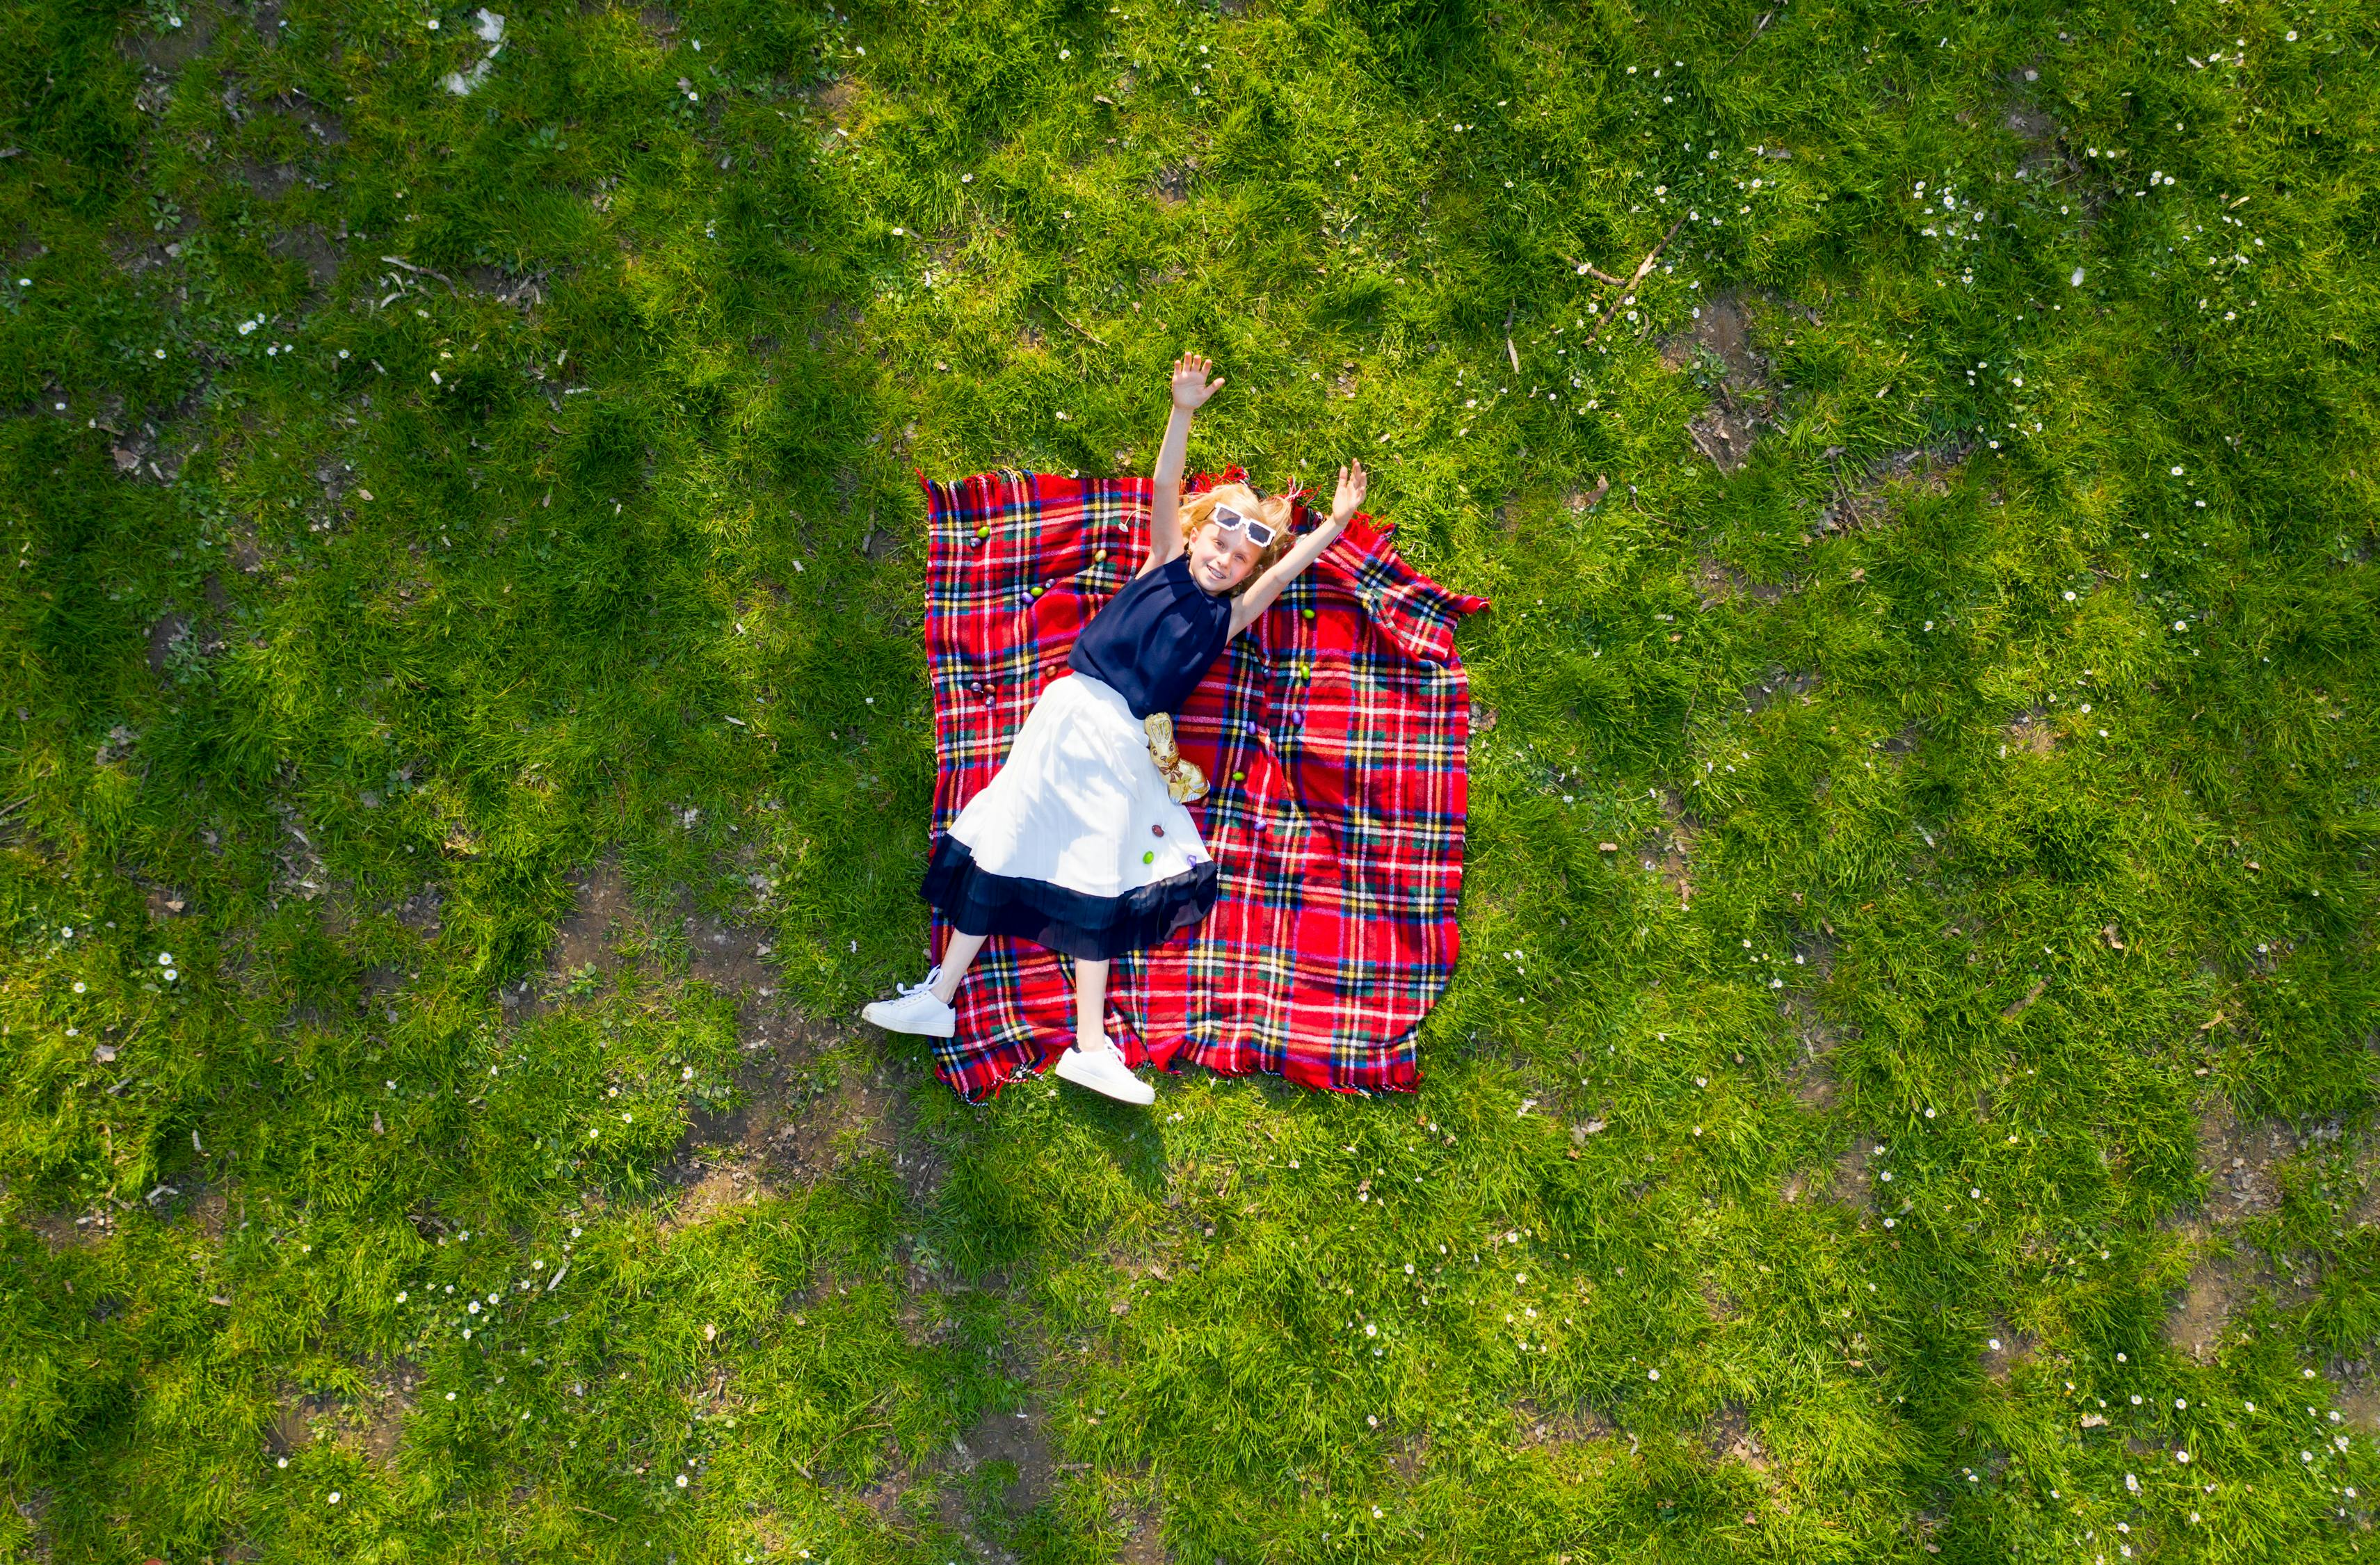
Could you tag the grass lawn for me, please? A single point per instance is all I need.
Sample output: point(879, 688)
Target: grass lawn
point(1909, 1090)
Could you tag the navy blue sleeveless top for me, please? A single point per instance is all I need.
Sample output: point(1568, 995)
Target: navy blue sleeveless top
point(1154, 641)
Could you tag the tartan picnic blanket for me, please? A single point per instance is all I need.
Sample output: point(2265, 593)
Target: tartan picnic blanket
point(1334, 731)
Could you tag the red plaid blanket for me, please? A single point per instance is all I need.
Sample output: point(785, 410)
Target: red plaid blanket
point(1334, 731)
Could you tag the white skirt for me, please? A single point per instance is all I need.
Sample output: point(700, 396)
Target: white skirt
point(1075, 843)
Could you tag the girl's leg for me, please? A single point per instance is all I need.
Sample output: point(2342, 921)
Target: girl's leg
point(957, 957)
point(1091, 1006)
point(1095, 1061)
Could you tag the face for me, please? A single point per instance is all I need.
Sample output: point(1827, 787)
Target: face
point(1219, 560)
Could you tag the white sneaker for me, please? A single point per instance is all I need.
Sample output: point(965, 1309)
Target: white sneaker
point(916, 1011)
point(1105, 1072)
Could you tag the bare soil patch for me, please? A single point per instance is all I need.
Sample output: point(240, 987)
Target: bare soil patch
point(2029, 126)
point(730, 958)
point(336, 476)
point(142, 454)
point(2237, 1158)
point(2004, 1348)
point(2032, 734)
point(2359, 1393)
point(34, 1507)
point(422, 911)
point(2032, 124)
point(1171, 187)
point(601, 915)
point(1722, 332)
point(2218, 1288)
point(1018, 1440)
point(63, 1231)
point(164, 637)
point(713, 1188)
point(1717, 349)
point(1728, 1435)
point(1669, 853)
point(301, 873)
point(309, 246)
point(1878, 493)
point(811, 1095)
point(1023, 1477)
point(801, 1118)
point(1853, 1186)
point(1144, 1543)
point(1587, 497)
point(1724, 434)
point(886, 1496)
point(172, 48)
point(1757, 698)
point(1542, 1429)
point(1814, 1079)
point(371, 1423)
point(838, 100)
point(271, 181)
point(1717, 582)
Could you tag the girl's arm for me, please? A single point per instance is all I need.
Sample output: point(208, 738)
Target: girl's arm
point(1191, 390)
point(1250, 605)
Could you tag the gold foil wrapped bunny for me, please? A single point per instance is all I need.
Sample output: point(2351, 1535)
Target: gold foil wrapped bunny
point(1183, 781)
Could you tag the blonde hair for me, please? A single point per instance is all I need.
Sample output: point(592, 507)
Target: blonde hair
point(1275, 511)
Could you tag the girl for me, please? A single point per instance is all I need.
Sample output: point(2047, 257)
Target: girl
point(1078, 843)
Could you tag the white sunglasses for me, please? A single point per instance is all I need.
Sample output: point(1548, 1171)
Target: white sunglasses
point(1259, 533)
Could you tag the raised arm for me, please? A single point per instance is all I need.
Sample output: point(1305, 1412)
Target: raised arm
point(1250, 605)
point(1191, 390)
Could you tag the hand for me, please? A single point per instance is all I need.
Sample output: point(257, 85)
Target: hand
point(1191, 387)
point(1353, 482)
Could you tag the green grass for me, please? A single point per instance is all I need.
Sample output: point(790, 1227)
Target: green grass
point(1986, 760)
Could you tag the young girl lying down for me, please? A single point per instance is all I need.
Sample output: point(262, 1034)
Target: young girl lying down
point(1080, 843)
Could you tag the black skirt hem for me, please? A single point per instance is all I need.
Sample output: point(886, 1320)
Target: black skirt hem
point(1092, 928)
